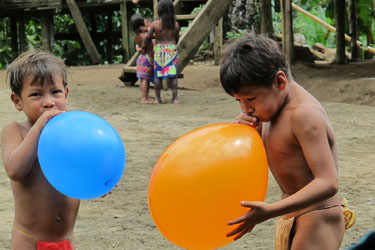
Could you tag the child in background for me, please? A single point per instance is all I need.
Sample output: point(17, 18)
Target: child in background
point(300, 145)
point(165, 30)
point(145, 60)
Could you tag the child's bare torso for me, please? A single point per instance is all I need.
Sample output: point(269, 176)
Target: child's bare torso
point(285, 156)
point(165, 36)
point(41, 212)
point(139, 38)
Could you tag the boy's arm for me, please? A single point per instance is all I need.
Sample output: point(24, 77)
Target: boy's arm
point(149, 36)
point(309, 127)
point(19, 153)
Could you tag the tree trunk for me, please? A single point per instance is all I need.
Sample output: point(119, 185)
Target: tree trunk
point(266, 26)
point(339, 8)
point(241, 16)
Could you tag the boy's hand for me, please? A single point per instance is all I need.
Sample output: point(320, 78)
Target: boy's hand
point(258, 213)
point(45, 117)
point(246, 119)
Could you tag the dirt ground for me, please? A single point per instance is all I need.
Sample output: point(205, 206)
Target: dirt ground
point(122, 220)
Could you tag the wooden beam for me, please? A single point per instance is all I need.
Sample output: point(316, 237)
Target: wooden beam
point(124, 30)
point(83, 32)
point(185, 16)
point(206, 20)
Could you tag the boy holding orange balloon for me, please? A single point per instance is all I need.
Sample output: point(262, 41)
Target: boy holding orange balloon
point(44, 218)
point(300, 145)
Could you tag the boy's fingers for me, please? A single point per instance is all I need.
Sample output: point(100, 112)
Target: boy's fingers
point(247, 204)
point(245, 231)
point(235, 231)
point(236, 221)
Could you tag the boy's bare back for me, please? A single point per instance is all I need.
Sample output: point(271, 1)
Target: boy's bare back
point(139, 38)
point(166, 36)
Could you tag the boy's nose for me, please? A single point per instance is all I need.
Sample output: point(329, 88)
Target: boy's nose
point(48, 103)
point(246, 108)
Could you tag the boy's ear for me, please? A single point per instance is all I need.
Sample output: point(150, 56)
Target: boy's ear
point(66, 94)
point(17, 101)
point(281, 80)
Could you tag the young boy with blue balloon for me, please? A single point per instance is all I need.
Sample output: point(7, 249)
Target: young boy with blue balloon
point(300, 145)
point(44, 218)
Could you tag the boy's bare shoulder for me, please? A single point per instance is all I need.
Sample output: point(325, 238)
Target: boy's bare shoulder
point(11, 128)
point(308, 117)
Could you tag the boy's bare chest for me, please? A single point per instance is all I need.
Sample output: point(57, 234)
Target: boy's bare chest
point(285, 156)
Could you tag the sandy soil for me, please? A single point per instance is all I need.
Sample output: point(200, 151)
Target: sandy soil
point(122, 220)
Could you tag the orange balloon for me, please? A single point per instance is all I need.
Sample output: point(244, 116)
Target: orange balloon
point(197, 184)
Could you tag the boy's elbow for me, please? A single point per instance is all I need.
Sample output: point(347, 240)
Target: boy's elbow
point(13, 174)
point(332, 188)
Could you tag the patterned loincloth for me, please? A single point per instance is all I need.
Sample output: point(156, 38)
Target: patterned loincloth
point(145, 67)
point(165, 60)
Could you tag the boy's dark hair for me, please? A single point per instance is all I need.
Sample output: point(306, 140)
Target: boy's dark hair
point(137, 20)
point(42, 65)
point(251, 60)
point(166, 14)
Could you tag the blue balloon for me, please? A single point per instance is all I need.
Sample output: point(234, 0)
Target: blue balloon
point(81, 155)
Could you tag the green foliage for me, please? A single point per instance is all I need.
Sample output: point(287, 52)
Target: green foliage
point(232, 35)
point(314, 32)
point(146, 12)
point(5, 44)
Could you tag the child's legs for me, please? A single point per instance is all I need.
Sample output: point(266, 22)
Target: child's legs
point(144, 86)
point(319, 229)
point(174, 86)
point(158, 82)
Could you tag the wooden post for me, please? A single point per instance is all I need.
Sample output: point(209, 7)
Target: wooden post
point(356, 52)
point(339, 9)
point(47, 32)
point(287, 24)
point(266, 26)
point(155, 4)
point(14, 37)
point(109, 35)
point(124, 30)
point(84, 32)
point(94, 29)
point(22, 33)
point(218, 42)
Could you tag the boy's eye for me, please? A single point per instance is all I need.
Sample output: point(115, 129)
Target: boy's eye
point(251, 99)
point(58, 91)
point(35, 94)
